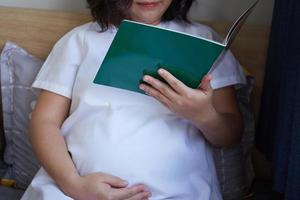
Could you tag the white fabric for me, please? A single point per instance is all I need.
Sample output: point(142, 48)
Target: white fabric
point(124, 133)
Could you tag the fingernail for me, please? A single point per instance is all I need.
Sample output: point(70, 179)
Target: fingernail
point(145, 78)
point(160, 71)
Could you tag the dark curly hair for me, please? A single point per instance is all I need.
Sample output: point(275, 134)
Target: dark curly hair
point(112, 12)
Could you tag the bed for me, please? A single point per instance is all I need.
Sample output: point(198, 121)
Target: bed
point(38, 30)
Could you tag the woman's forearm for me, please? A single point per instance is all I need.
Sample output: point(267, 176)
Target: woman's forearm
point(221, 129)
point(48, 143)
point(51, 150)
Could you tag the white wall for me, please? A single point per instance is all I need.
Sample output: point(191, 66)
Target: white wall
point(204, 9)
point(229, 10)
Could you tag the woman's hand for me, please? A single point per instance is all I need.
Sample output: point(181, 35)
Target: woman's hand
point(180, 99)
point(215, 113)
point(100, 186)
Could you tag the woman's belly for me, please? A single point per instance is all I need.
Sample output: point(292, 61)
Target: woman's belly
point(160, 150)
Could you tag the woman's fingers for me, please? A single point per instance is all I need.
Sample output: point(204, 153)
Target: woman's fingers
point(157, 94)
point(137, 192)
point(176, 84)
point(141, 196)
point(113, 181)
point(158, 89)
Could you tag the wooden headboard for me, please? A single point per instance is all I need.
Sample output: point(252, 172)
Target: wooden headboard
point(38, 30)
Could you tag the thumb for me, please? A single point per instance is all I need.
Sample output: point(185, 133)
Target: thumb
point(114, 181)
point(205, 84)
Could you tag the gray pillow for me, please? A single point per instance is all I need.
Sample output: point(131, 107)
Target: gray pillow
point(18, 70)
point(234, 166)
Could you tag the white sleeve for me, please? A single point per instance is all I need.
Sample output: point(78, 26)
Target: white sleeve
point(60, 69)
point(227, 70)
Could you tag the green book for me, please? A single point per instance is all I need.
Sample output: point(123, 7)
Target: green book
point(139, 49)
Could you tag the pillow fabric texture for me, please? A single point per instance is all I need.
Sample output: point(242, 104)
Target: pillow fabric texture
point(2, 142)
point(234, 166)
point(18, 70)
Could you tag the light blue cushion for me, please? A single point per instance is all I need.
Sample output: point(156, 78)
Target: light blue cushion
point(18, 70)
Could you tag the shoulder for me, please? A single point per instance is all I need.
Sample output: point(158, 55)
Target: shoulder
point(79, 38)
point(86, 34)
point(76, 33)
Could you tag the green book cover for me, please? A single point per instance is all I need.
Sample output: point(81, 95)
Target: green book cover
point(139, 49)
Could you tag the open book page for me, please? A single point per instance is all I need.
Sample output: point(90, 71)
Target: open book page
point(237, 25)
point(233, 32)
